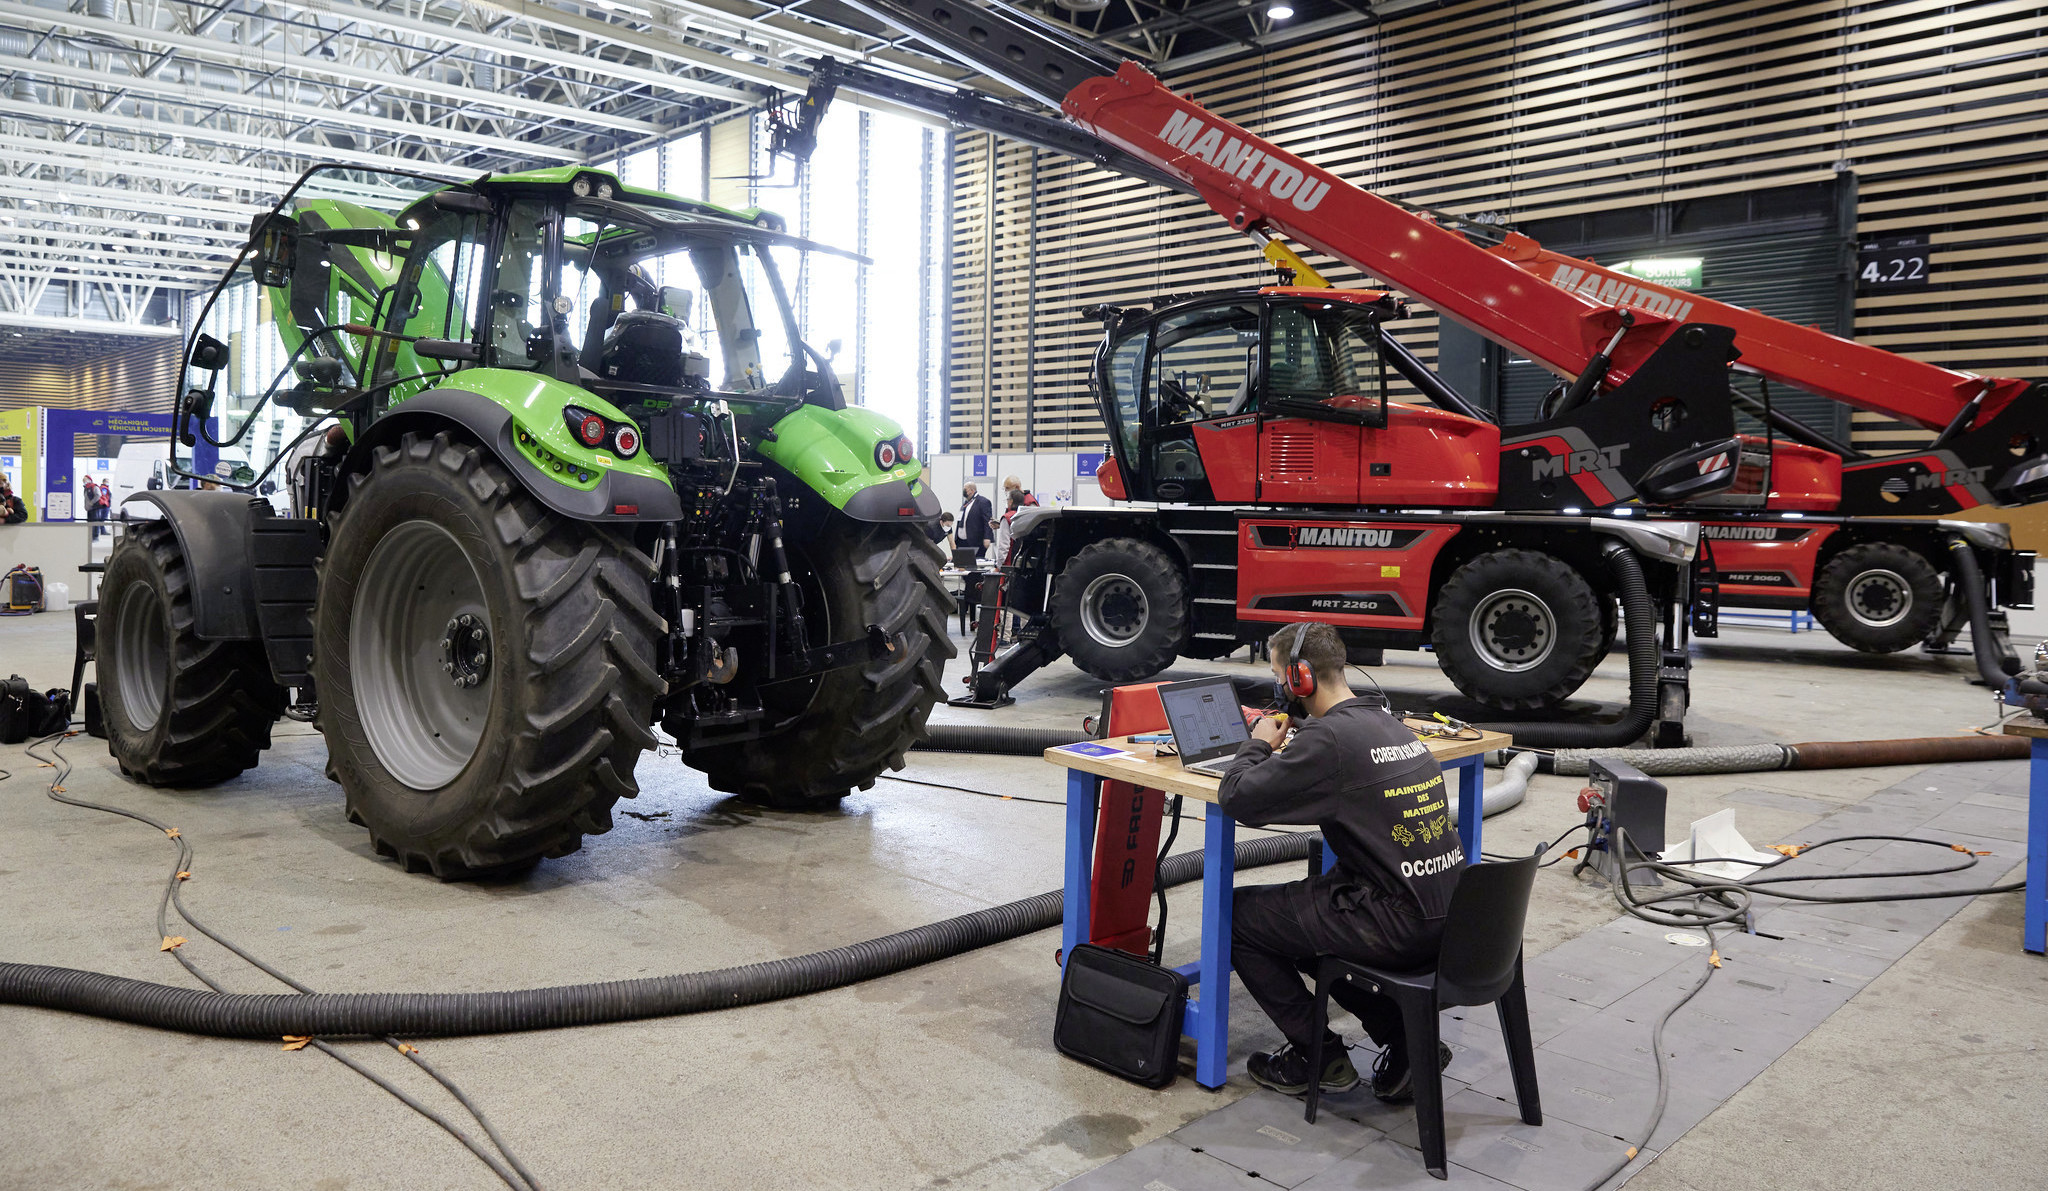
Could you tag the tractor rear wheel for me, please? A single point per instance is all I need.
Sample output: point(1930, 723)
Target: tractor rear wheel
point(1879, 597)
point(178, 711)
point(1121, 609)
point(485, 666)
point(1518, 629)
point(847, 726)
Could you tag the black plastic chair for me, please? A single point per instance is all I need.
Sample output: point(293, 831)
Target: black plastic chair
point(1480, 963)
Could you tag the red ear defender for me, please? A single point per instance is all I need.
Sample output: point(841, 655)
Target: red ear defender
point(1301, 680)
point(1301, 677)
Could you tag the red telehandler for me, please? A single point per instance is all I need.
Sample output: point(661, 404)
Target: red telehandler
point(1250, 417)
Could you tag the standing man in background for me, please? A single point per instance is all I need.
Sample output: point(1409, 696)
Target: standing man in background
point(974, 529)
point(1013, 490)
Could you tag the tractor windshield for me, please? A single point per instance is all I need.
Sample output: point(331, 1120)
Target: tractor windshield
point(649, 296)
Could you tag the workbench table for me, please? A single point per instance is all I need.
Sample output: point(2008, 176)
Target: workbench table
point(1208, 1017)
point(2034, 935)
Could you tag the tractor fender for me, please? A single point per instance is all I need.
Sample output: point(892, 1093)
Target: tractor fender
point(490, 425)
point(213, 534)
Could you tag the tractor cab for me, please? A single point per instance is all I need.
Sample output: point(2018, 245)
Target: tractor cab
point(1278, 396)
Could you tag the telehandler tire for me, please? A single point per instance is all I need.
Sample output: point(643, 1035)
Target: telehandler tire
point(852, 723)
point(178, 711)
point(1518, 630)
point(1879, 597)
point(485, 666)
point(1120, 608)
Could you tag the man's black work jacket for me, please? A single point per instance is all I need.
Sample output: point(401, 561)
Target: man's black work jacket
point(1380, 799)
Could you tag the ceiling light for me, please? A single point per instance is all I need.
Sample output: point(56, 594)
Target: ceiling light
point(1280, 12)
point(743, 56)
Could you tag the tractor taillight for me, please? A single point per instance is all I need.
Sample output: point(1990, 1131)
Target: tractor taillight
point(625, 442)
point(589, 428)
point(885, 455)
point(904, 451)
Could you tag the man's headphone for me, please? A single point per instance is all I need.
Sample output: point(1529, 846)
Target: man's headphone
point(1298, 676)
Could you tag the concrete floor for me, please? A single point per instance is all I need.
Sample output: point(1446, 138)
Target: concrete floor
point(939, 1077)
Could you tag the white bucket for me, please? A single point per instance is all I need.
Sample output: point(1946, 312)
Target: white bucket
point(57, 597)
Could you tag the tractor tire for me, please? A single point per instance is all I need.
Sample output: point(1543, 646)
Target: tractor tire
point(847, 726)
point(1879, 597)
point(1121, 609)
point(485, 666)
point(177, 711)
point(1518, 630)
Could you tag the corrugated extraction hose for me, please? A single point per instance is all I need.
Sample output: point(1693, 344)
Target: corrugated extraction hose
point(1993, 666)
point(1823, 754)
point(231, 1015)
point(983, 738)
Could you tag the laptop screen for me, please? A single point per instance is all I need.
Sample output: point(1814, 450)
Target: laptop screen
point(1205, 718)
point(966, 557)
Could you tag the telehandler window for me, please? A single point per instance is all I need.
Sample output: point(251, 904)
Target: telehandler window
point(1204, 363)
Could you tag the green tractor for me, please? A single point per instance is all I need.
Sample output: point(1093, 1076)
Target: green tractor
point(567, 473)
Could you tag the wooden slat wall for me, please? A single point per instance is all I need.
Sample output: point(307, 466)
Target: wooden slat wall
point(139, 377)
point(1526, 111)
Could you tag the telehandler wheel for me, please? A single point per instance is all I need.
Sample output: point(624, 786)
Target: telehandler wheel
point(851, 723)
point(1121, 609)
point(1879, 597)
point(178, 711)
point(485, 667)
point(1518, 630)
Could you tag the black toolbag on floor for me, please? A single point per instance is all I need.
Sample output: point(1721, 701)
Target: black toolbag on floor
point(27, 714)
point(1122, 1013)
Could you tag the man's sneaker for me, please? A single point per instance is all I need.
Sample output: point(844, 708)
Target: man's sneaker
point(1286, 1070)
point(1392, 1079)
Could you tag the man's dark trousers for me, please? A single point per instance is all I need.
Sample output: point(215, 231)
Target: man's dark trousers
point(1277, 935)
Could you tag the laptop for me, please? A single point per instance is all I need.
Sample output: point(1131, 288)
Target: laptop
point(966, 558)
point(1206, 721)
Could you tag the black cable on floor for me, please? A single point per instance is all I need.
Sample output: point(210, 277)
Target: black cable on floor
point(1704, 904)
point(510, 1171)
point(1551, 846)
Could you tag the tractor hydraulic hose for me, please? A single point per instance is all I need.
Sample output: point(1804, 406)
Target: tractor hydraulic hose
point(1990, 664)
point(980, 738)
point(236, 1015)
point(1823, 754)
point(1639, 618)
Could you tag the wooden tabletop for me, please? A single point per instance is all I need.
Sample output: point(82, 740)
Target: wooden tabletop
point(2027, 727)
point(1143, 768)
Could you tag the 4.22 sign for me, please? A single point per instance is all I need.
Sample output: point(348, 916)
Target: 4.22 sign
point(1892, 264)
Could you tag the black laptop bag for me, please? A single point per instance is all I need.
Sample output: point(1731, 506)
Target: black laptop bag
point(1122, 1013)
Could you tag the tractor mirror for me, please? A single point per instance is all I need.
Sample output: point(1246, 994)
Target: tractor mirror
point(209, 354)
point(274, 244)
point(464, 202)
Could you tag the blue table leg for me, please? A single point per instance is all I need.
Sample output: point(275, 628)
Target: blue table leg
point(1329, 857)
point(1471, 802)
point(1210, 1014)
point(2035, 938)
point(1083, 791)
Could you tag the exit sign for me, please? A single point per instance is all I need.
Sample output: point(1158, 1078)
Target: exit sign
point(1672, 272)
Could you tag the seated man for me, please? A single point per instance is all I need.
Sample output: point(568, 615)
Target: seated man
point(1355, 771)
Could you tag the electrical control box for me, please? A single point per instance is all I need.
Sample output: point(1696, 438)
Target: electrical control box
point(1618, 795)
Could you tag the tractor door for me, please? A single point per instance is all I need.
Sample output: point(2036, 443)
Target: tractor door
point(1322, 393)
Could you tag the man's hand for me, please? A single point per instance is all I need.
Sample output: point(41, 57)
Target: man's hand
point(1270, 731)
